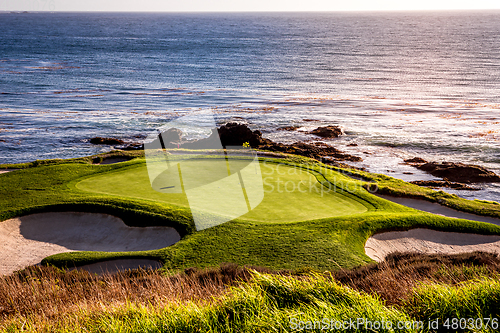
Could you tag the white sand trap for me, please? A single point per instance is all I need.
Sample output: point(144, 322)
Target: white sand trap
point(7, 170)
point(438, 209)
point(428, 241)
point(27, 240)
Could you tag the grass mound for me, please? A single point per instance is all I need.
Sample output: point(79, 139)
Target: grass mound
point(290, 229)
point(232, 298)
point(468, 302)
point(265, 303)
point(395, 278)
point(399, 188)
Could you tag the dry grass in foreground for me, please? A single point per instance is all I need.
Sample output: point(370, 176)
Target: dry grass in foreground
point(49, 293)
point(394, 278)
point(45, 294)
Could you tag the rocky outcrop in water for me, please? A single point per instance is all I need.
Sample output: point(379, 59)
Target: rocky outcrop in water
point(106, 141)
point(288, 128)
point(316, 151)
point(459, 172)
point(327, 132)
point(444, 183)
point(230, 134)
point(455, 172)
point(234, 134)
point(415, 160)
point(172, 137)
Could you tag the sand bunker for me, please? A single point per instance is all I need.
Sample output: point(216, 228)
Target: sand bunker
point(438, 209)
point(7, 170)
point(27, 240)
point(428, 241)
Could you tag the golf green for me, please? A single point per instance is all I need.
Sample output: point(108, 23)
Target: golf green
point(290, 193)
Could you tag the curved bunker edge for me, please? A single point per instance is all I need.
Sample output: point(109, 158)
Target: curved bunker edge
point(28, 239)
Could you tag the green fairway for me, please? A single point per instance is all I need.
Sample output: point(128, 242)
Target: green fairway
point(310, 214)
point(291, 193)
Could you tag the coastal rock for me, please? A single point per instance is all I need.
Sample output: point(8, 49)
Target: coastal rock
point(106, 141)
point(134, 146)
point(459, 172)
point(415, 160)
point(234, 134)
point(327, 132)
point(172, 137)
point(288, 128)
point(312, 151)
point(230, 134)
point(444, 183)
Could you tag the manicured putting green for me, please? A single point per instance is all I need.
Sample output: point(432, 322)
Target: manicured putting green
point(291, 194)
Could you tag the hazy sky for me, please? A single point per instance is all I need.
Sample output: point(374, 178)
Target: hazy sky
point(238, 5)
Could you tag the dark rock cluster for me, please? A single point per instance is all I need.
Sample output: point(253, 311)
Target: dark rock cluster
point(455, 172)
point(288, 128)
point(234, 134)
point(444, 183)
point(106, 141)
point(327, 132)
point(310, 150)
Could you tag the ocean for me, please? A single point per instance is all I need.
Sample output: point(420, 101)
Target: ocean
point(400, 84)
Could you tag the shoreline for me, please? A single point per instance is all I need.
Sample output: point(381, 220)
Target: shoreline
point(118, 156)
point(352, 148)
